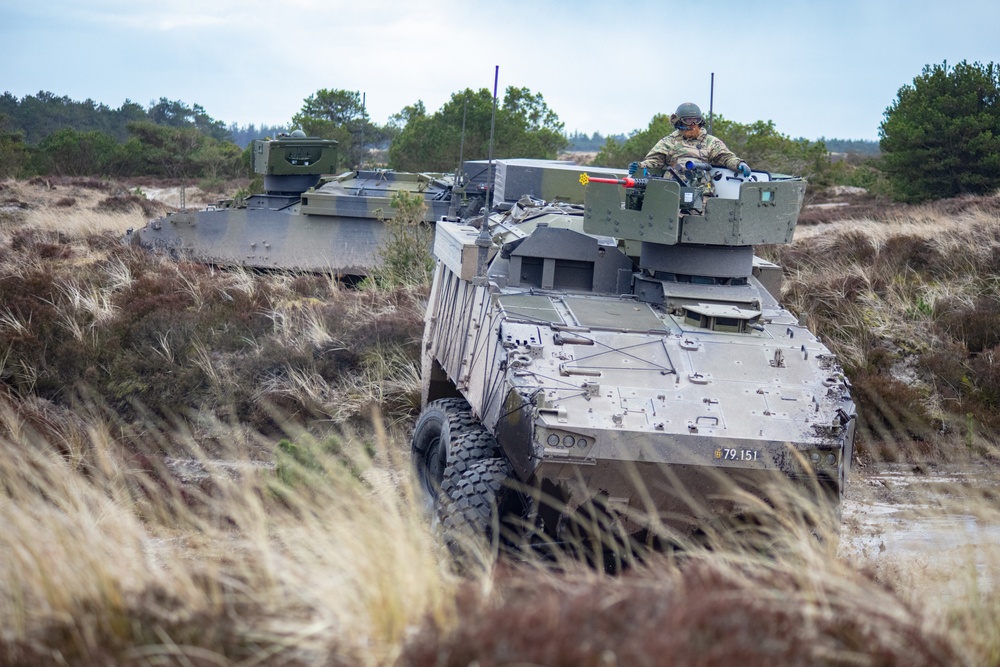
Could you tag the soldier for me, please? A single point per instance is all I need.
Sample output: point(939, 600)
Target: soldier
point(690, 141)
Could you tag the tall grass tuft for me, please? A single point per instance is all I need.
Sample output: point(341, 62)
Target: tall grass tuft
point(122, 557)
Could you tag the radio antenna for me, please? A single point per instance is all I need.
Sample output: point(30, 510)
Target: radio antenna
point(493, 124)
point(361, 165)
point(711, 99)
point(461, 144)
point(460, 170)
point(483, 241)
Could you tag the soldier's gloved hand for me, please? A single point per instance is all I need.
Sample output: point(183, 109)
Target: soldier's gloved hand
point(744, 169)
point(632, 168)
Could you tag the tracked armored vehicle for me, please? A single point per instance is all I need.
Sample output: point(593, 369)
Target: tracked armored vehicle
point(304, 220)
point(625, 364)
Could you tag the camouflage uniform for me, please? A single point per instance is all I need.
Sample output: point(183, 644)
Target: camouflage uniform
point(675, 148)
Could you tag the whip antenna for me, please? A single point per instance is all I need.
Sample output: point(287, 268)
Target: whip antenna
point(483, 241)
point(362, 162)
point(460, 170)
point(461, 144)
point(711, 99)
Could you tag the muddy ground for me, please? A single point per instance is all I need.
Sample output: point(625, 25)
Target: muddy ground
point(936, 529)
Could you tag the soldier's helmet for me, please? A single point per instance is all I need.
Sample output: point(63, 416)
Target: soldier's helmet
point(687, 114)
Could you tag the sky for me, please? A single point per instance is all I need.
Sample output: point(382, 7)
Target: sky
point(816, 68)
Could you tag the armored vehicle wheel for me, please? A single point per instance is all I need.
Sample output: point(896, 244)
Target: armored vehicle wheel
point(472, 445)
point(442, 423)
point(479, 503)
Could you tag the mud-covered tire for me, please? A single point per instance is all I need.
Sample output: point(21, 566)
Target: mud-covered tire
point(441, 424)
point(477, 504)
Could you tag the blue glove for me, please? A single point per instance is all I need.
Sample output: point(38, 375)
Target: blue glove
point(744, 169)
point(632, 168)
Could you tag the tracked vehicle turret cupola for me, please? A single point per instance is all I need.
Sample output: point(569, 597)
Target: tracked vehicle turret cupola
point(291, 164)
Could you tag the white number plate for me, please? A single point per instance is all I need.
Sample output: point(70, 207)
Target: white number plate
point(738, 454)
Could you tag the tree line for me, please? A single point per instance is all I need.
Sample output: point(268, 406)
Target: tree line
point(939, 138)
point(45, 134)
point(581, 141)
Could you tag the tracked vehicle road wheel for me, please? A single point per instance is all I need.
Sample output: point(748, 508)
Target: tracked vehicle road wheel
point(479, 507)
point(442, 423)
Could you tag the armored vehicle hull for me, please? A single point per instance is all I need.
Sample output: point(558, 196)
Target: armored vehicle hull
point(337, 226)
point(304, 220)
point(625, 366)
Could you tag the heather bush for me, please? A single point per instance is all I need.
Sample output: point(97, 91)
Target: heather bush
point(122, 203)
point(705, 612)
point(178, 338)
point(976, 325)
point(908, 302)
point(894, 424)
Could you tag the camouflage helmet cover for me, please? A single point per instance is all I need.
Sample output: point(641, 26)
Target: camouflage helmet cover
point(686, 110)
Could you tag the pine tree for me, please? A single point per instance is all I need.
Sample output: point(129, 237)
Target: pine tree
point(941, 137)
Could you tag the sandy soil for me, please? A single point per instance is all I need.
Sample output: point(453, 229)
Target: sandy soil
point(88, 192)
point(88, 205)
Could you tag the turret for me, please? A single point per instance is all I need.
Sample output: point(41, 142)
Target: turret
point(292, 164)
point(693, 238)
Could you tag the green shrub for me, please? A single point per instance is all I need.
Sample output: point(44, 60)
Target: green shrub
point(941, 136)
point(405, 256)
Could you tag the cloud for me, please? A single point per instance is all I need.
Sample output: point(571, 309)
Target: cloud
point(143, 15)
point(814, 68)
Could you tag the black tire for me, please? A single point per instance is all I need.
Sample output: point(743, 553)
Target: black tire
point(473, 444)
point(442, 423)
point(477, 504)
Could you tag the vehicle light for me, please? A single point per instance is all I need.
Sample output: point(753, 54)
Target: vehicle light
point(552, 440)
point(581, 443)
point(831, 459)
point(568, 441)
point(814, 457)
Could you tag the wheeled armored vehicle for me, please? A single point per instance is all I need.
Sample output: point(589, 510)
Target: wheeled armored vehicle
point(623, 365)
point(304, 220)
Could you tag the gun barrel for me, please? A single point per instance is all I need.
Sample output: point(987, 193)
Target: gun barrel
point(694, 164)
point(626, 182)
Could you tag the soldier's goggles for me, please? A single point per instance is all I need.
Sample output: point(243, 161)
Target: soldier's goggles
point(691, 120)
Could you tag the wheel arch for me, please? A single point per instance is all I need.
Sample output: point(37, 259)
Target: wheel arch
point(438, 385)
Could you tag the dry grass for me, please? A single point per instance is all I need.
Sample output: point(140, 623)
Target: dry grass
point(86, 222)
point(79, 207)
point(83, 309)
point(211, 468)
point(909, 303)
point(117, 556)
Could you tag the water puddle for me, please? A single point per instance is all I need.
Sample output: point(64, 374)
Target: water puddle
point(933, 530)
